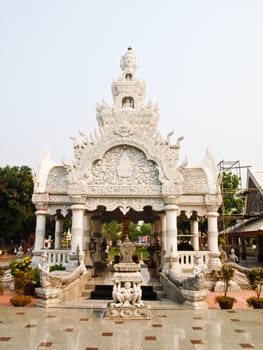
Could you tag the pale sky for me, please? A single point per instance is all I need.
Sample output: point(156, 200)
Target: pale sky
point(202, 62)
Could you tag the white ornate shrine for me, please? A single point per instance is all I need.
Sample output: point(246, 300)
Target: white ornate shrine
point(125, 167)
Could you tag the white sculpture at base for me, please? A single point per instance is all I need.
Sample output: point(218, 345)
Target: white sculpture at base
point(53, 284)
point(127, 292)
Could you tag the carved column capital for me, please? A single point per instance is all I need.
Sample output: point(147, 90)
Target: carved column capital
point(78, 199)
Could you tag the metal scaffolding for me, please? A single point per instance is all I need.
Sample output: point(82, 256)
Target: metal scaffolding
point(233, 168)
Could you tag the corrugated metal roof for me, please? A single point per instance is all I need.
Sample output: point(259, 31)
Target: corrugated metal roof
point(247, 225)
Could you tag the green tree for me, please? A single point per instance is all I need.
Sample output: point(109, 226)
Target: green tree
point(134, 232)
point(17, 218)
point(111, 231)
point(145, 229)
point(233, 200)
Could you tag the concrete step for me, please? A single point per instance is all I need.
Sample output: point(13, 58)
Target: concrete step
point(158, 287)
point(105, 292)
point(89, 286)
point(160, 294)
point(86, 294)
point(159, 291)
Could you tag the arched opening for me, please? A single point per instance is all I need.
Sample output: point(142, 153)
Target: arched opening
point(128, 102)
point(128, 76)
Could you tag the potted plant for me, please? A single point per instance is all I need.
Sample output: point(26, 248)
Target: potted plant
point(20, 300)
point(226, 273)
point(255, 278)
point(26, 277)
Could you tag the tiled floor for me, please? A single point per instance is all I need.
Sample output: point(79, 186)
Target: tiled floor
point(86, 329)
point(81, 325)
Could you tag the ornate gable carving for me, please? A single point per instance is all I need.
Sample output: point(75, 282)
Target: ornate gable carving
point(125, 161)
point(57, 181)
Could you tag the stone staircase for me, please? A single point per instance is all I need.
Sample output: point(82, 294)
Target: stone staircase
point(158, 289)
point(104, 292)
point(88, 288)
point(100, 287)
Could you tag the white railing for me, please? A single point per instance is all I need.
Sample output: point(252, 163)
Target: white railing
point(187, 258)
point(57, 256)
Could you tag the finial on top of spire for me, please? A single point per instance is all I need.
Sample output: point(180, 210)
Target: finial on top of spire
point(129, 61)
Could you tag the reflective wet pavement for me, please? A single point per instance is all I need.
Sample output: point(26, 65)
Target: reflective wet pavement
point(81, 325)
point(169, 329)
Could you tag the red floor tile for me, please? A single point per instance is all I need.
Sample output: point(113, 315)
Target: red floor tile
point(197, 328)
point(68, 330)
point(197, 341)
point(5, 338)
point(150, 337)
point(45, 344)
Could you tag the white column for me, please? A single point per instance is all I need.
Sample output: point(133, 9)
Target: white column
point(40, 229)
point(171, 228)
point(77, 227)
point(212, 231)
point(194, 233)
point(58, 232)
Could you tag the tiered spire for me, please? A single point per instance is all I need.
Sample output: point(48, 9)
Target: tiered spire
point(128, 94)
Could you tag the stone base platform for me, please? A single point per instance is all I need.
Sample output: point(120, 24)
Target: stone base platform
point(131, 312)
point(48, 297)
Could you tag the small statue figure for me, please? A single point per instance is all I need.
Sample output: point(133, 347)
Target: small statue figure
point(20, 253)
point(44, 272)
point(223, 255)
point(198, 268)
point(123, 296)
point(137, 294)
point(233, 257)
point(127, 249)
point(127, 295)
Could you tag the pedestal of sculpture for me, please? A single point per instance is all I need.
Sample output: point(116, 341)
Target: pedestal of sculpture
point(195, 299)
point(48, 297)
point(127, 293)
point(187, 288)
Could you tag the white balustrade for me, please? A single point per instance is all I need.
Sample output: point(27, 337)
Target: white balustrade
point(57, 256)
point(187, 258)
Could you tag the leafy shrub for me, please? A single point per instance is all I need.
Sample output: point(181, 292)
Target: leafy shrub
point(225, 302)
point(20, 300)
point(255, 302)
point(255, 278)
point(226, 273)
point(56, 267)
point(24, 275)
point(18, 266)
